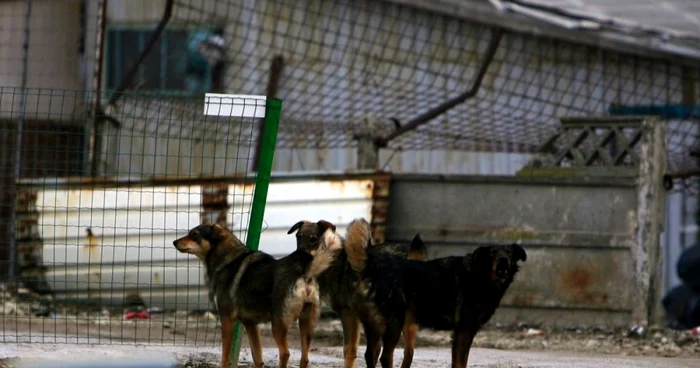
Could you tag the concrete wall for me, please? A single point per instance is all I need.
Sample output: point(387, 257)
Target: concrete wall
point(579, 239)
point(53, 60)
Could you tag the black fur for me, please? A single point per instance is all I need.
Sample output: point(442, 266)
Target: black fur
point(458, 294)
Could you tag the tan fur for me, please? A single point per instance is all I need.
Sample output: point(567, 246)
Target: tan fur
point(331, 240)
point(356, 239)
point(322, 260)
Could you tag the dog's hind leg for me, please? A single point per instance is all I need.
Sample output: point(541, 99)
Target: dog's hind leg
point(307, 323)
point(279, 332)
point(410, 331)
point(227, 325)
point(391, 337)
point(255, 345)
point(461, 344)
point(351, 337)
point(373, 345)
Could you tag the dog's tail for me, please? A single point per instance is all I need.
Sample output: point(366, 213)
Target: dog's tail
point(322, 260)
point(357, 239)
point(417, 250)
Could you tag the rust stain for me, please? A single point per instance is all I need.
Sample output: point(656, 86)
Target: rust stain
point(577, 280)
point(338, 185)
point(93, 242)
point(581, 284)
point(215, 204)
point(369, 190)
point(523, 299)
point(380, 206)
point(97, 276)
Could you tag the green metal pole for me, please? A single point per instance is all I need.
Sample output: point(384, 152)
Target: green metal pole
point(273, 111)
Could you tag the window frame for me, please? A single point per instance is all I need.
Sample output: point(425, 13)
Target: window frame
point(162, 48)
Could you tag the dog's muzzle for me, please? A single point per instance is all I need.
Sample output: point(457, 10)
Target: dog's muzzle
point(502, 267)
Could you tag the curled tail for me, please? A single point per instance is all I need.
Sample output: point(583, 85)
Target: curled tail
point(356, 240)
point(417, 250)
point(322, 260)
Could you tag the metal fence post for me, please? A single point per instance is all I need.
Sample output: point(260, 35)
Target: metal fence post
point(268, 141)
point(224, 105)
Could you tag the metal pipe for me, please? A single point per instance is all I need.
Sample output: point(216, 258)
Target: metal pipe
point(447, 105)
point(679, 174)
point(272, 87)
point(19, 135)
point(167, 13)
point(95, 141)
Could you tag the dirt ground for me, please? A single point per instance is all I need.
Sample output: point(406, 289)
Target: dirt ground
point(193, 339)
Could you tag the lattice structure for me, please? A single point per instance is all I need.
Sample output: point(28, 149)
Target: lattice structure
point(594, 143)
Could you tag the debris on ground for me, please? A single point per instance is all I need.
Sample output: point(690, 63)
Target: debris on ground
point(137, 315)
point(533, 332)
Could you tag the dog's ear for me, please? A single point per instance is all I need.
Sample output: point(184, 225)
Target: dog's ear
point(296, 227)
point(417, 242)
point(324, 225)
point(218, 232)
point(519, 252)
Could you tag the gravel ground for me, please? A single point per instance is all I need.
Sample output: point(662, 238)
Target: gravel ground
point(193, 338)
point(494, 347)
point(60, 356)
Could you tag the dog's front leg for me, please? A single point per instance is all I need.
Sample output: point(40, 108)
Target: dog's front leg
point(228, 322)
point(461, 344)
point(255, 344)
point(279, 332)
point(351, 337)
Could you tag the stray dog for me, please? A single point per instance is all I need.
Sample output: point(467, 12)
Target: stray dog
point(253, 287)
point(458, 294)
point(338, 283)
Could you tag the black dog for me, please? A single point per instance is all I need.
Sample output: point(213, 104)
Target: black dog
point(458, 294)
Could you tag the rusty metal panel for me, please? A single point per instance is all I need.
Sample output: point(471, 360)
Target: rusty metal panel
point(106, 239)
point(578, 235)
point(336, 200)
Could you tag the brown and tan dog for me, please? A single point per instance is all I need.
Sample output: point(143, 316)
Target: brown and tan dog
point(253, 287)
point(338, 283)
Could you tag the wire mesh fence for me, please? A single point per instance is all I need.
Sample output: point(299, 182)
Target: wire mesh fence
point(346, 67)
point(99, 114)
point(94, 254)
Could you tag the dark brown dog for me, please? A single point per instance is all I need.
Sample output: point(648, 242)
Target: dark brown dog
point(253, 287)
point(458, 294)
point(338, 283)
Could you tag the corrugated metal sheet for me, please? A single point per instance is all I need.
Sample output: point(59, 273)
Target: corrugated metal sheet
point(109, 242)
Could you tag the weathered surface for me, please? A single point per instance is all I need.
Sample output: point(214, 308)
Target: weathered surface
point(578, 235)
point(589, 214)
